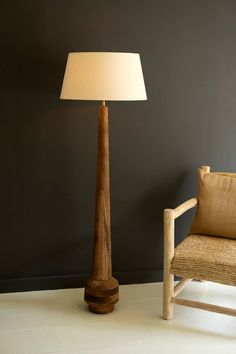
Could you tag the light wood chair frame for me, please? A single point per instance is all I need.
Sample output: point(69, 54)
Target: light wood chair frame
point(170, 291)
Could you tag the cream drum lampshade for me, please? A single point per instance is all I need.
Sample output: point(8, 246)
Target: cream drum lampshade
point(103, 76)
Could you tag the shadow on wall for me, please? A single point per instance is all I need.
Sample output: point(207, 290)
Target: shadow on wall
point(148, 213)
point(163, 195)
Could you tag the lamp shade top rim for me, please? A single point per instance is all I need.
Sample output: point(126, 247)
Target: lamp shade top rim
point(93, 52)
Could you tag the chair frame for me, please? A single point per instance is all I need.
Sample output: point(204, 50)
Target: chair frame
point(170, 291)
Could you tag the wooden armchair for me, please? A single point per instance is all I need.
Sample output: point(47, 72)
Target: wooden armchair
point(209, 251)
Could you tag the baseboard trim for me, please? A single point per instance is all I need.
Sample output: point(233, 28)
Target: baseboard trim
point(75, 280)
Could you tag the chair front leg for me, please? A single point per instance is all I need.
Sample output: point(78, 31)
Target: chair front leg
point(168, 281)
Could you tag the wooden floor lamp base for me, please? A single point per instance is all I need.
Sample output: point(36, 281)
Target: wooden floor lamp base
point(102, 291)
point(101, 296)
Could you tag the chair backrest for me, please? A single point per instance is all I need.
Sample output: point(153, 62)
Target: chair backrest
point(216, 212)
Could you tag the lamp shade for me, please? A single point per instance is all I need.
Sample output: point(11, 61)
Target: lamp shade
point(103, 76)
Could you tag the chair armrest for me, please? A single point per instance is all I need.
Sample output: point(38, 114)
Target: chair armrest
point(182, 208)
point(169, 228)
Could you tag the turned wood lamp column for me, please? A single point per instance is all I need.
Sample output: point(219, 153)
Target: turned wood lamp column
point(103, 76)
point(101, 291)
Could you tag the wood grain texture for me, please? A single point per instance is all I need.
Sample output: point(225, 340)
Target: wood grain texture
point(207, 169)
point(182, 208)
point(168, 281)
point(204, 306)
point(101, 291)
point(169, 243)
point(180, 285)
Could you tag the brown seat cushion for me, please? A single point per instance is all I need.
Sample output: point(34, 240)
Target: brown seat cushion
point(206, 258)
point(216, 212)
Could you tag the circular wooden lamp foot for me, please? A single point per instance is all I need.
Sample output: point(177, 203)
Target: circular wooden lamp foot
point(101, 295)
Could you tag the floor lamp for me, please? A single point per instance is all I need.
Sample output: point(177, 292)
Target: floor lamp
point(103, 76)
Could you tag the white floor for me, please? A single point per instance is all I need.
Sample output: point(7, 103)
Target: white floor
point(58, 322)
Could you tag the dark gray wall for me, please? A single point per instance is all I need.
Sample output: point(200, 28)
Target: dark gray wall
point(48, 146)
